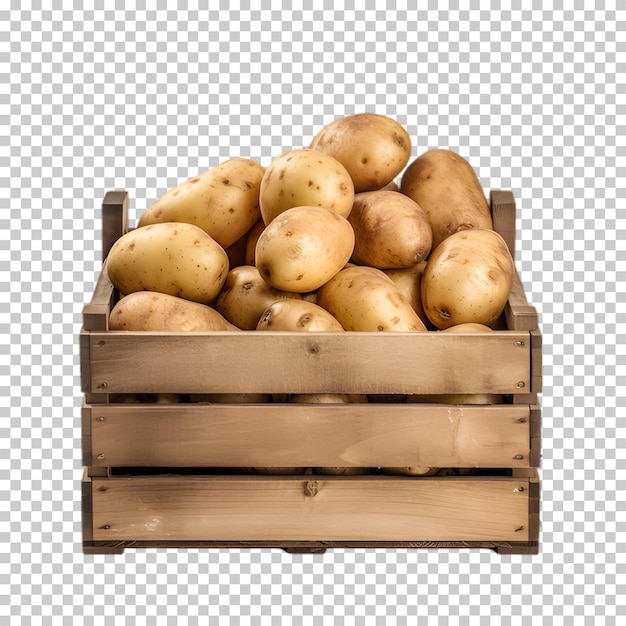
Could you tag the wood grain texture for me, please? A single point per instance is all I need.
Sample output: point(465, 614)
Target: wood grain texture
point(114, 219)
point(503, 214)
point(96, 311)
point(289, 435)
point(275, 362)
point(287, 509)
point(519, 314)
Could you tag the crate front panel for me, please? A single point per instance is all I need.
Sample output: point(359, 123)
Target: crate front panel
point(183, 508)
point(272, 362)
point(309, 435)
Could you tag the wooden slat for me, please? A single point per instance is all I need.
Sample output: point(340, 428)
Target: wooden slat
point(87, 507)
point(114, 219)
point(275, 362)
point(296, 508)
point(534, 508)
point(86, 417)
point(310, 435)
point(519, 314)
point(96, 312)
point(535, 435)
point(503, 216)
point(536, 360)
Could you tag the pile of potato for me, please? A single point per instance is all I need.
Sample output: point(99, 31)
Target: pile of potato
point(322, 239)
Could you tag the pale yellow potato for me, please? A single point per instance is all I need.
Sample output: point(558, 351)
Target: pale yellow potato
point(223, 201)
point(252, 237)
point(467, 278)
point(246, 295)
point(456, 398)
point(305, 177)
point(373, 148)
point(341, 471)
point(303, 248)
point(298, 316)
point(468, 327)
point(366, 299)
point(327, 398)
point(446, 186)
point(173, 258)
point(231, 398)
point(391, 186)
point(408, 281)
point(391, 230)
point(154, 311)
point(411, 471)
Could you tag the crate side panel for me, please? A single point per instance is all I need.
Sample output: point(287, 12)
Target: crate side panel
point(230, 509)
point(267, 362)
point(311, 435)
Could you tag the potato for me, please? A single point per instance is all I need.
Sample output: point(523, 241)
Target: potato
point(223, 201)
point(151, 310)
point(408, 281)
point(341, 471)
point(391, 230)
point(467, 278)
point(411, 471)
point(275, 471)
point(456, 398)
point(298, 316)
point(231, 398)
point(146, 398)
point(252, 237)
point(446, 186)
point(305, 178)
point(373, 148)
point(467, 328)
point(236, 252)
point(304, 247)
point(245, 297)
point(326, 398)
point(391, 186)
point(174, 258)
point(366, 299)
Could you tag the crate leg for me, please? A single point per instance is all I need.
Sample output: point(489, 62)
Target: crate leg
point(522, 549)
point(305, 550)
point(91, 549)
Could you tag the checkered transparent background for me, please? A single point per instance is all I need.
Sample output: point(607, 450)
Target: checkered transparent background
point(135, 99)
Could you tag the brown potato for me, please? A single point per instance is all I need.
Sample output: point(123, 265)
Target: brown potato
point(468, 278)
point(446, 186)
point(456, 398)
point(223, 201)
point(390, 230)
point(251, 239)
point(150, 310)
point(373, 148)
point(305, 178)
point(231, 398)
point(298, 316)
point(245, 296)
point(409, 281)
point(304, 247)
point(366, 299)
point(468, 327)
point(411, 471)
point(174, 258)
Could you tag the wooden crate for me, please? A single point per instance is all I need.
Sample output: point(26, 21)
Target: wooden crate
point(179, 474)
